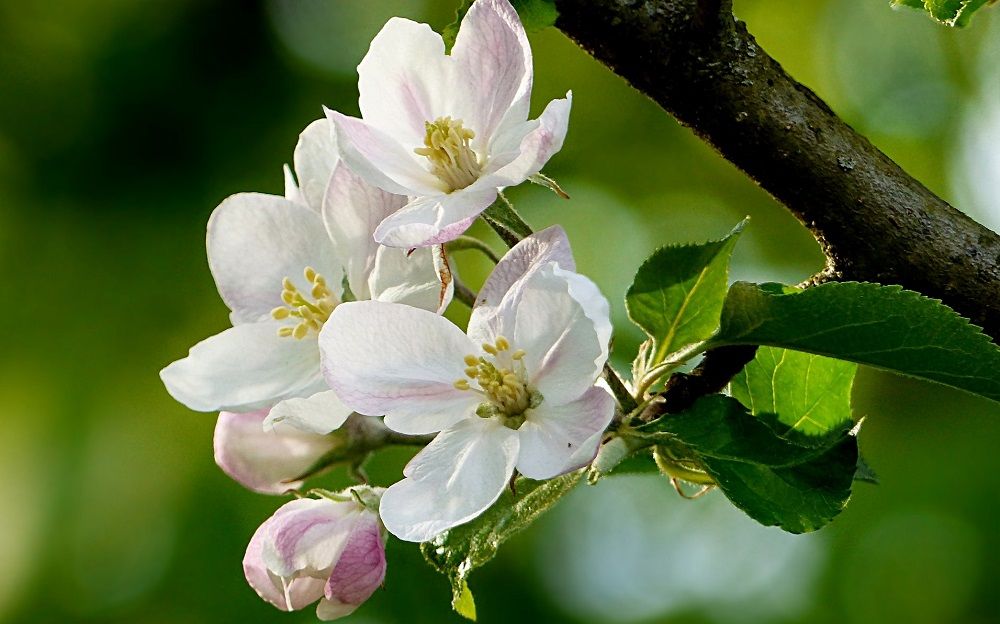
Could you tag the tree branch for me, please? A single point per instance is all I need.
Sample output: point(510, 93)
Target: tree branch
point(874, 221)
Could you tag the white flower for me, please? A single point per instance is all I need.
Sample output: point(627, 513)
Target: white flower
point(279, 264)
point(448, 130)
point(517, 392)
point(332, 551)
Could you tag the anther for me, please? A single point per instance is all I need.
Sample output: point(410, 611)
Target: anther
point(471, 360)
point(462, 384)
point(517, 355)
point(487, 347)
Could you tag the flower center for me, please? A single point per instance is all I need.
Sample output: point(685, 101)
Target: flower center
point(503, 382)
point(446, 145)
point(311, 313)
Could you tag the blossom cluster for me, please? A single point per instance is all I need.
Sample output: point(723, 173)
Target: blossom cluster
point(337, 292)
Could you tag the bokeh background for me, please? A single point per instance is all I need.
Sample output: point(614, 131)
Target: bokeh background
point(122, 125)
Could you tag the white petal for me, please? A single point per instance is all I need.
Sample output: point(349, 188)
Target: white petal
point(385, 358)
point(549, 245)
point(300, 591)
point(255, 241)
point(292, 191)
point(564, 347)
point(309, 536)
point(381, 159)
point(454, 479)
point(539, 145)
point(493, 58)
point(352, 209)
point(594, 304)
point(435, 219)
point(265, 461)
point(409, 278)
point(244, 368)
point(319, 414)
point(404, 80)
point(558, 439)
point(315, 158)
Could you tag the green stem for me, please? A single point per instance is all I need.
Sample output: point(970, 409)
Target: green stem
point(674, 360)
point(463, 293)
point(469, 242)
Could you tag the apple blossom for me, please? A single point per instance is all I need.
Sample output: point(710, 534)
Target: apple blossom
point(330, 550)
point(448, 131)
point(518, 391)
point(279, 264)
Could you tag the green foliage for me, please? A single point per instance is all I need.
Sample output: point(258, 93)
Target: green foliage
point(534, 14)
point(678, 292)
point(881, 326)
point(948, 12)
point(804, 396)
point(457, 552)
point(774, 481)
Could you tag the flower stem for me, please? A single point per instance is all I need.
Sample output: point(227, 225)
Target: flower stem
point(463, 293)
point(469, 242)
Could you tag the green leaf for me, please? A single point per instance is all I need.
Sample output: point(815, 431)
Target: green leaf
point(677, 294)
point(464, 604)
point(534, 14)
point(803, 396)
point(881, 326)
point(457, 552)
point(949, 12)
point(774, 481)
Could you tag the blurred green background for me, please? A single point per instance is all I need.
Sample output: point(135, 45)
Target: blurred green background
point(122, 125)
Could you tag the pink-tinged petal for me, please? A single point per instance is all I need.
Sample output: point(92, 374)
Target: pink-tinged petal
point(458, 476)
point(381, 159)
point(385, 358)
point(564, 347)
point(288, 595)
point(352, 209)
point(308, 537)
point(358, 573)
point(405, 80)
point(556, 439)
point(319, 414)
point(409, 278)
point(265, 461)
point(292, 192)
point(537, 250)
point(315, 158)
point(255, 241)
point(244, 368)
point(435, 219)
point(539, 145)
point(493, 59)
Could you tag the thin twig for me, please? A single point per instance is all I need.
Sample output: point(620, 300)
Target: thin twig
point(463, 293)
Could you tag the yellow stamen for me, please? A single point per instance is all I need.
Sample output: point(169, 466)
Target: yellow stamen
point(311, 314)
point(503, 381)
point(446, 146)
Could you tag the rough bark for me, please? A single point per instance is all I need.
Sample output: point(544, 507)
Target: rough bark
point(874, 221)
